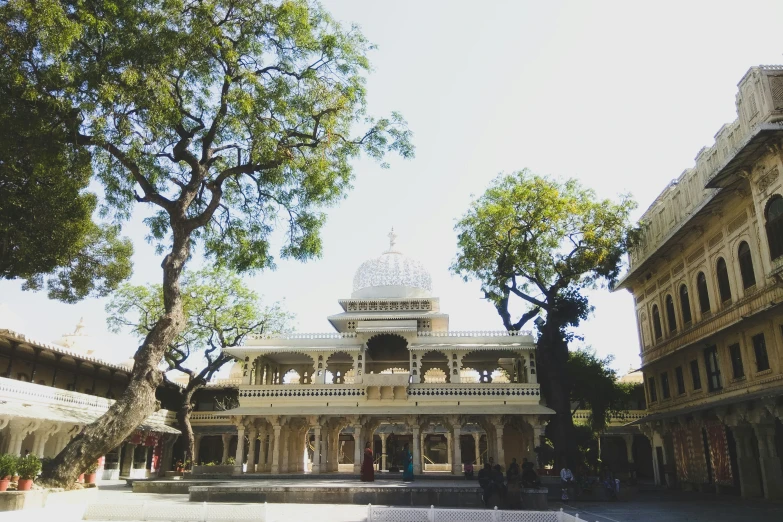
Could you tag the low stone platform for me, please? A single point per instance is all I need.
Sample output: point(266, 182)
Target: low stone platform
point(439, 493)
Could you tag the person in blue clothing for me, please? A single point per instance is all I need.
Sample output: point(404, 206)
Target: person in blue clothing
point(407, 474)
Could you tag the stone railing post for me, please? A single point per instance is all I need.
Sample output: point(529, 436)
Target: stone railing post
point(456, 467)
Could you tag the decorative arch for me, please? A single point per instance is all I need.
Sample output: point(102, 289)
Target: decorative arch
point(491, 364)
point(337, 366)
point(645, 327)
point(434, 360)
point(704, 294)
point(722, 274)
point(671, 315)
point(745, 260)
point(386, 351)
point(685, 304)
point(773, 225)
point(656, 319)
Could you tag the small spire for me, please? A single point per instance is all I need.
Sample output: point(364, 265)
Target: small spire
point(392, 239)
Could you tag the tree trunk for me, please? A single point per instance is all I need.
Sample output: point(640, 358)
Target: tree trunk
point(552, 354)
point(183, 420)
point(138, 399)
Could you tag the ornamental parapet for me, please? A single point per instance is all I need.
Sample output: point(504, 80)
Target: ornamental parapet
point(615, 420)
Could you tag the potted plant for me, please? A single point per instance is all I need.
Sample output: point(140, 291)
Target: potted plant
point(28, 467)
point(7, 470)
point(90, 473)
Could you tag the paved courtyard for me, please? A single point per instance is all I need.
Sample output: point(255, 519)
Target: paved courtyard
point(650, 506)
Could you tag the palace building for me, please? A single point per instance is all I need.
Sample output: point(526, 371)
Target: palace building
point(50, 391)
point(392, 373)
point(707, 279)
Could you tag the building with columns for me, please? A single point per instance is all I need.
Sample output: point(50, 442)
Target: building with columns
point(49, 392)
point(707, 281)
point(392, 374)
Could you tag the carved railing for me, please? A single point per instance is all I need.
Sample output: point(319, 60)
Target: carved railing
point(476, 333)
point(473, 390)
point(617, 419)
point(292, 336)
point(303, 391)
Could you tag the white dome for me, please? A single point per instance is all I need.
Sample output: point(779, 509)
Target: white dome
point(391, 275)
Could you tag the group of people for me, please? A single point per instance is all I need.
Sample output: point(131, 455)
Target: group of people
point(368, 465)
point(570, 484)
point(493, 483)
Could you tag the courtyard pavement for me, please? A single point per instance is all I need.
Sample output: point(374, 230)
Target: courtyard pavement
point(646, 506)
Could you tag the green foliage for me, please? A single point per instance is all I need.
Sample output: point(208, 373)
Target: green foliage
point(7, 465)
point(594, 386)
point(28, 467)
point(542, 240)
point(220, 310)
point(229, 117)
point(92, 468)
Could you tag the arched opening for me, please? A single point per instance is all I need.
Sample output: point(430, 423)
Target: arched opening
point(656, 317)
point(385, 352)
point(671, 317)
point(436, 365)
point(685, 305)
point(704, 295)
point(746, 265)
point(492, 366)
point(337, 365)
point(774, 226)
point(724, 288)
point(292, 377)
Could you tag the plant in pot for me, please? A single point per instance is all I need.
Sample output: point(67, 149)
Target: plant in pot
point(7, 470)
point(90, 474)
point(28, 468)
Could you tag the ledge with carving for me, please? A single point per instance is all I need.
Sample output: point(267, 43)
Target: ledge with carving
point(615, 420)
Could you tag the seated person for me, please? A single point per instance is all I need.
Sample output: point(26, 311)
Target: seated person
point(529, 476)
point(512, 474)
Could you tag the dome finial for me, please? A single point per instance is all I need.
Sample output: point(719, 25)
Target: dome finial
point(392, 240)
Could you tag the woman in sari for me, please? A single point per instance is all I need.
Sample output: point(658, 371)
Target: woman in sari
point(407, 475)
point(368, 471)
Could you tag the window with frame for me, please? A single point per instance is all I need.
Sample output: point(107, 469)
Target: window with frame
point(651, 389)
point(695, 375)
point(665, 385)
point(713, 368)
point(760, 350)
point(680, 377)
point(656, 316)
point(704, 294)
point(671, 316)
point(746, 265)
point(774, 226)
point(736, 361)
point(724, 288)
point(685, 304)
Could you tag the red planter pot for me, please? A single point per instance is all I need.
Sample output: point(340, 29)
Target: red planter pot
point(24, 484)
point(4, 484)
point(80, 480)
point(90, 478)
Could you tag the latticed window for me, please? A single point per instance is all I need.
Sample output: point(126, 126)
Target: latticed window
point(724, 288)
point(704, 295)
point(657, 322)
point(774, 226)
point(685, 304)
point(671, 318)
point(746, 265)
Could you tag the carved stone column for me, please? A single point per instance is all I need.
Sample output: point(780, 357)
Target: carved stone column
point(226, 442)
point(747, 464)
point(769, 461)
point(252, 437)
point(416, 450)
point(449, 452)
point(357, 449)
point(275, 443)
point(127, 459)
point(477, 443)
point(499, 437)
point(383, 451)
point(196, 447)
point(284, 445)
point(240, 454)
point(456, 466)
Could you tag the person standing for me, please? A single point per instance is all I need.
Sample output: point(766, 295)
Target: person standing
point(407, 474)
point(566, 481)
point(368, 471)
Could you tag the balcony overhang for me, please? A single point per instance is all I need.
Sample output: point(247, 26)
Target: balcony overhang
point(409, 325)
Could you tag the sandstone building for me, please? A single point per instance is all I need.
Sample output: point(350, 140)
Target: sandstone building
point(707, 282)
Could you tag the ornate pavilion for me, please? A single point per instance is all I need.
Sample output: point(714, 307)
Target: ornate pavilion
point(392, 373)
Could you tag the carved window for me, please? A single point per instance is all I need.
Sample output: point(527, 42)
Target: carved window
point(695, 375)
point(665, 385)
point(746, 265)
point(724, 288)
point(736, 361)
point(680, 380)
point(713, 368)
point(651, 389)
point(704, 295)
point(656, 316)
point(685, 304)
point(760, 350)
point(774, 226)
point(671, 317)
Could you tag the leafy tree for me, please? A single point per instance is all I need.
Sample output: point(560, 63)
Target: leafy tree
point(594, 386)
point(221, 312)
point(230, 119)
point(47, 232)
point(543, 242)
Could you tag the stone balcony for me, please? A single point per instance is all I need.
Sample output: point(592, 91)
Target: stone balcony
point(386, 397)
point(617, 420)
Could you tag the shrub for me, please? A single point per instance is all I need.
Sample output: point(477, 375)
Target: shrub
point(231, 461)
point(7, 466)
point(28, 467)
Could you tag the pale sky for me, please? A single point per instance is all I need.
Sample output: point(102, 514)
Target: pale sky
point(621, 95)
